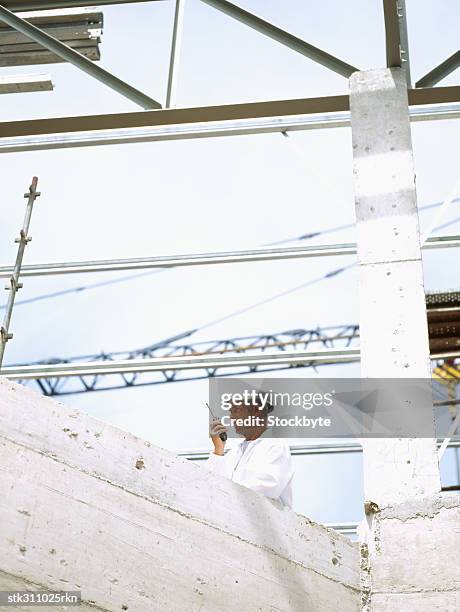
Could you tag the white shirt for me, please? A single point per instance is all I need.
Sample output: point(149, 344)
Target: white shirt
point(263, 465)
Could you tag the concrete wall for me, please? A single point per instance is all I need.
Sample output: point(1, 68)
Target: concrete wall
point(89, 507)
point(411, 560)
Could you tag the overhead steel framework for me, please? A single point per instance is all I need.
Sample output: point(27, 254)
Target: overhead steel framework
point(426, 103)
point(80, 30)
point(67, 131)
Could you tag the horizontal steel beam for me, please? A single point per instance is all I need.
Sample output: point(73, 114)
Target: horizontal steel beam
point(206, 122)
point(311, 449)
point(204, 259)
point(296, 449)
point(40, 5)
point(24, 83)
point(158, 364)
point(175, 116)
point(283, 37)
point(165, 364)
point(440, 72)
point(206, 130)
point(77, 59)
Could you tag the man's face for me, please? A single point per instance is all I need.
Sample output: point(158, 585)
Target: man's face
point(241, 412)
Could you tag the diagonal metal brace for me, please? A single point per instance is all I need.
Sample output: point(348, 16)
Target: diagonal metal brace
point(77, 59)
point(283, 37)
point(440, 72)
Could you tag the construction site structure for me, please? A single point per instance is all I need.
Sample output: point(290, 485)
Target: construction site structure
point(133, 527)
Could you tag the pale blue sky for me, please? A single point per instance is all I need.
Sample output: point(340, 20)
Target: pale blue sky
point(210, 195)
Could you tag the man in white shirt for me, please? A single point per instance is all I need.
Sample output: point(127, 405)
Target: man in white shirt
point(259, 463)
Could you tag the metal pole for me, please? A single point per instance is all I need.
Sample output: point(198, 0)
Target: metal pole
point(294, 43)
point(161, 364)
point(77, 59)
point(204, 259)
point(175, 53)
point(14, 283)
point(441, 71)
point(166, 364)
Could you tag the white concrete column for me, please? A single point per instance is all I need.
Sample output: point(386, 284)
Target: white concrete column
point(393, 324)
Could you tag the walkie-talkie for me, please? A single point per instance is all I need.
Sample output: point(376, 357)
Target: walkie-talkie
point(223, 435)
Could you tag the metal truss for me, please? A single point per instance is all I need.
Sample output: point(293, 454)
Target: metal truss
point(167, 361)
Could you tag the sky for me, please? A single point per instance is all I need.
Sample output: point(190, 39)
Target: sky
point(210, 195)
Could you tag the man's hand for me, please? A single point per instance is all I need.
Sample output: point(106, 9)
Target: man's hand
point(215, 429)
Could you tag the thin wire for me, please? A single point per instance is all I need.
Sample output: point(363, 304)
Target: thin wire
point(56, 294)
point(439, 227)
point(275, 297)
point(338, 228)
point(440, 213)
point(113, 281)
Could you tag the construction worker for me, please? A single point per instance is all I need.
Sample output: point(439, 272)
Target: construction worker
point(260, 463)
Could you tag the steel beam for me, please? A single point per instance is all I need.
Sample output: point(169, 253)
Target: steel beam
point(40, 5)
point(209, 121)
point(175, 52)
point(77, 59)
point(24, 83)
point(294, 43)
point(204, 259)
point(176, 116)
point(158, 364)
point(244, 127)
point(392, 34)
point(397, 43)
point(324, 448)
point(441, 71)
point(211, 362)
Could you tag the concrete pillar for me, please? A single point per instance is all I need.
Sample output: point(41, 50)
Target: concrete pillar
point(393, 324)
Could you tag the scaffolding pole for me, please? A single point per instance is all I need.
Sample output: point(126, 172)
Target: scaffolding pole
point(14, 284)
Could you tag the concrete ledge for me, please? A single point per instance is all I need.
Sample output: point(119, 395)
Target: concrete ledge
point(413, 556)
point(135, 525)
